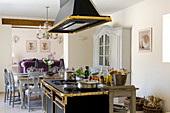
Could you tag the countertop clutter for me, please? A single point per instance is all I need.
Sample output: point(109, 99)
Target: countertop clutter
point(86, 91)
point(64, 96)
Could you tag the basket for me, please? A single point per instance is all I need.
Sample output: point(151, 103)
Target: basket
point(120, 108)
point(119, 80)
point(147, 109)
point(139, 106)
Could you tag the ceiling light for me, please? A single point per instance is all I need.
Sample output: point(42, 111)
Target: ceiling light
point(42, 34)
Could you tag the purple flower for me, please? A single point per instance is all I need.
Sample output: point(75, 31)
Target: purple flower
point(49, 56)
point(73, 68)
point(54, 53)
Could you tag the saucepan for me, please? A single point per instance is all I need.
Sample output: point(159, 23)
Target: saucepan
point(69, 75)
point(87, 85)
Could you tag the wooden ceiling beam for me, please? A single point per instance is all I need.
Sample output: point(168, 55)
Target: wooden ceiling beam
point(23, 22)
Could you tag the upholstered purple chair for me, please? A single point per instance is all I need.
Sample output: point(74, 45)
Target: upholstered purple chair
point(31, 62)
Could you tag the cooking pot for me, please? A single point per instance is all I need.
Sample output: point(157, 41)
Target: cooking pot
point(87, 85)
point(68, 75)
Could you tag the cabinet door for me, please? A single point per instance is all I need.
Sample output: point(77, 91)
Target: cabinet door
point(114, 51)
point(101, 50)
point(107, 50)
point(104, 50)
point(48, 104)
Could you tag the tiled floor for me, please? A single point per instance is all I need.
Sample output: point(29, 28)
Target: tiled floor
point(6, 108)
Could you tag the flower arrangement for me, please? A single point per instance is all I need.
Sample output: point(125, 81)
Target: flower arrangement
point(49, 60)
point(118, 72)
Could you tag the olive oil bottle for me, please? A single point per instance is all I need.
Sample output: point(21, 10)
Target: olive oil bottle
point(102, 80)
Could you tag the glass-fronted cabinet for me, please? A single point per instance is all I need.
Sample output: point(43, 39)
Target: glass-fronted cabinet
point(112, 49)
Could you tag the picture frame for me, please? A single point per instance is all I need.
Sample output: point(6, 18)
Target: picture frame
point(45, 46)
point(145, 39)
point(31, 46)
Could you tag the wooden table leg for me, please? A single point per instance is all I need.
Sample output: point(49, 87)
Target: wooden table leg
point(21, 94)
point(111, 102)
point(133, 102)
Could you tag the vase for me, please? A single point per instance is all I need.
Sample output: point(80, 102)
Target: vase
point(49, 68)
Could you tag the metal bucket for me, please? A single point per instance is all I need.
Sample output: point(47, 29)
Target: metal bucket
point(119, 80)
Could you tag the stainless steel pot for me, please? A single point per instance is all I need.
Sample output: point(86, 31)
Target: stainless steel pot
point(87, 85)
point(68, 75)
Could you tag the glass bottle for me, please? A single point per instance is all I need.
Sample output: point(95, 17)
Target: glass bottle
point(102, 78)
point(87, 72)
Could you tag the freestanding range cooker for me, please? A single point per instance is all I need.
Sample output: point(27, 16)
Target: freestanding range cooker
point(62, 96)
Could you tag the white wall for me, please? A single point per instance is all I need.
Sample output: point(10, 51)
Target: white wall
point(5, 57)
point(80, 49)
point(149, 73)
point(19, 48)
point(65, 46)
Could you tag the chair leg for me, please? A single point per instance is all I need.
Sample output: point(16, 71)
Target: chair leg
point(13, 98)
point(10, 97)
point(5, 93)
point(29, 103)
point(18, 95)
point(24, 98)
point(42, 97)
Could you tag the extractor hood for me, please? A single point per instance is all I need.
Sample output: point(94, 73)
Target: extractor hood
point(75, 16)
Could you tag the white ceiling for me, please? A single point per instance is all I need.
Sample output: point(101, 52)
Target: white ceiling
point(36, 8)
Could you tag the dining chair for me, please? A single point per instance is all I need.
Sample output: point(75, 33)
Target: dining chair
point(55, 69)
point(7, 85)
point(34, 69)
point(14, 88)
point(35, 90)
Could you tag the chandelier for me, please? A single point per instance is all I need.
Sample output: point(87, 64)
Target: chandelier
point(42, 34)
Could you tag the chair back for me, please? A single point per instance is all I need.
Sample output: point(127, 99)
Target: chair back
point(6, 77)
point(11, 80)
point(33, 69)
point(34, 78)
point(55, 69)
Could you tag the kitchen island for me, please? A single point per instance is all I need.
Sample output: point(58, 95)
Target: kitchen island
point(59, 97)
point(62, 97)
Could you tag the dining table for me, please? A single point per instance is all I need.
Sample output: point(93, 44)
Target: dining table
point(22, 79)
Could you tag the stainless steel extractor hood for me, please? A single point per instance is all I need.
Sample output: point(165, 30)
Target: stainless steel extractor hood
point(75, 16)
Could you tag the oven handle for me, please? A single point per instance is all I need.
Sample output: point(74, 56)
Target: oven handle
point(47, 95)
point(58, 105)
point(58, 100)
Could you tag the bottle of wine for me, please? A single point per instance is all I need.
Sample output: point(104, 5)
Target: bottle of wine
point(87, 72)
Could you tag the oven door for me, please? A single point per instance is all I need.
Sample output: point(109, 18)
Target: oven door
point(48, 102)
point(59, 104)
